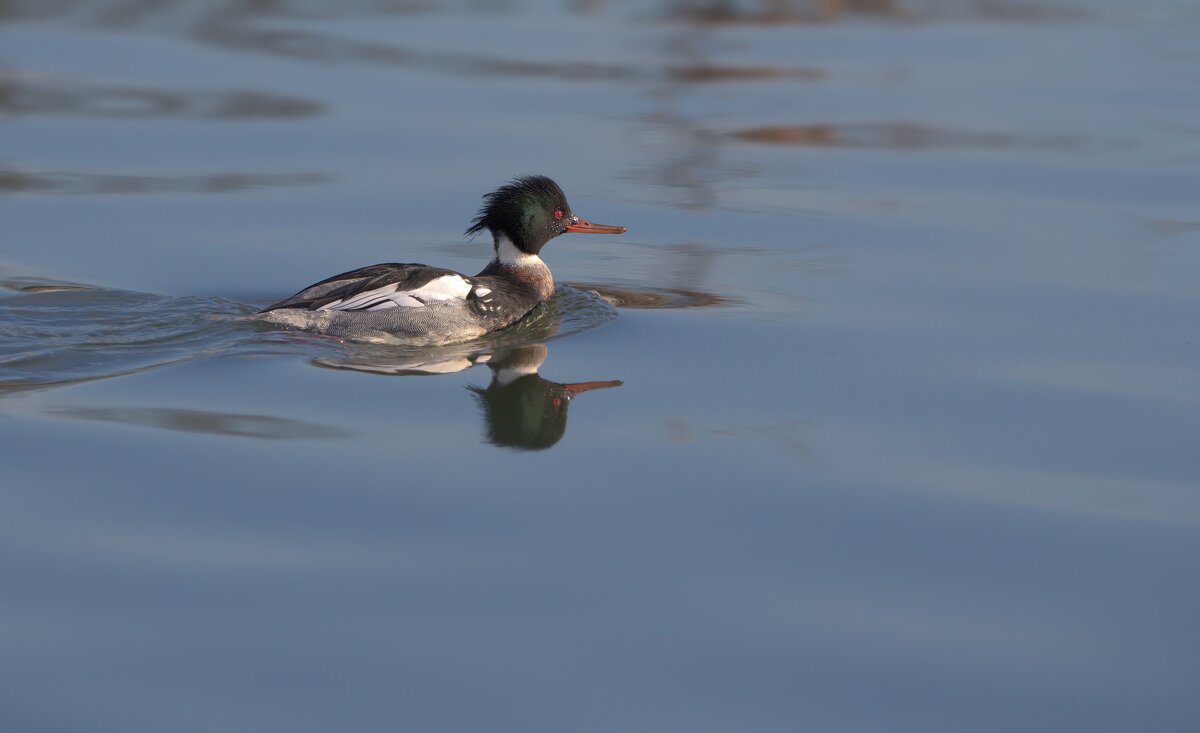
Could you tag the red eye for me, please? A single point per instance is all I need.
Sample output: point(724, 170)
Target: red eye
point(558, 214)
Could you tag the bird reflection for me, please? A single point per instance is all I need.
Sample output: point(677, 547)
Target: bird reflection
point(520, 409)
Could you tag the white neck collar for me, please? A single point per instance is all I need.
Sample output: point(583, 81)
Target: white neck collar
point(508, 254)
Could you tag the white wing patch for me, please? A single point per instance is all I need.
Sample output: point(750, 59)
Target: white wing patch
point(483, 299)
point(446, 287)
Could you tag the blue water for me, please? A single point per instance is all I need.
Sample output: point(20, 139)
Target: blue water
point(881, 416)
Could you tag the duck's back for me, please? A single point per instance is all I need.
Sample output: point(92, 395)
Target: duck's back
point(401, 301)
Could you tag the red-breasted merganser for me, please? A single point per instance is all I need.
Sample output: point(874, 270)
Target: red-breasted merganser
point(414, 303)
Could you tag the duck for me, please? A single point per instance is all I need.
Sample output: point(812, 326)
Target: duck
point(521, 410)
point(419, 304)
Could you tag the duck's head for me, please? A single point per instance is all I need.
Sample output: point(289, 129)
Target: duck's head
point(530, 211)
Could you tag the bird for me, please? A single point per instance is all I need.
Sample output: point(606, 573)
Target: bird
point(419, 304)
point(520, 409)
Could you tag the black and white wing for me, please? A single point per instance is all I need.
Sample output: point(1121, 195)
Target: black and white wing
point(378, 287)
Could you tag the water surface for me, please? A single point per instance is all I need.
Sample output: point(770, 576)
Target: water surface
point(882, 415)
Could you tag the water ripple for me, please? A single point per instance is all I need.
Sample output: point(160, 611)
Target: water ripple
point(63, 333)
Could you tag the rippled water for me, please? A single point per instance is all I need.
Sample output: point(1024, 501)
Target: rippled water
point(56, 336)
point(59, 334)
point(881, 416)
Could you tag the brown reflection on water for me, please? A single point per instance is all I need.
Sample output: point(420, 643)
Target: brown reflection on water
point(704, 73)
point(176, 13)
point(51, 97)
point(234, 26)
point(687, 154)
point(263, 427)
point(895, 136)
point(776, 12)
point(71, 183)
point(236, 32)
point(782, 12)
